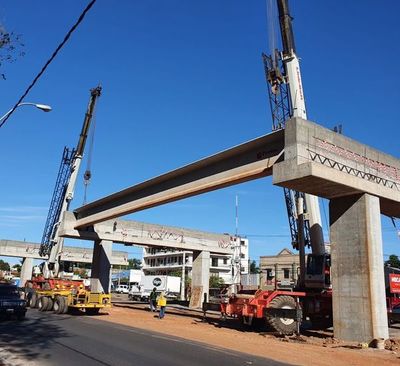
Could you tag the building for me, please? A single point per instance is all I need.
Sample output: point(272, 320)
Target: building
point(281, 270)
point(167, 261)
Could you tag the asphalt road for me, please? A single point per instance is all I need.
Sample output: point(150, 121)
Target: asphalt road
point(49, 339)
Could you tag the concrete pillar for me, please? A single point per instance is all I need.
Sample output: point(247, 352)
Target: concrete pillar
point(101, 266)
point(183, 279)
point(200, 278)
point(359, 302)
point(26, 271)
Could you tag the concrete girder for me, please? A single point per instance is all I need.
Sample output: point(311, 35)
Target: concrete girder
point(22, 249)
point(324, 163)
point(251, 160)
point(149, 235)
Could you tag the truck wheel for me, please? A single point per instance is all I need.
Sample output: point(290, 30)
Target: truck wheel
point(50, 303)
point(92, 311)
point(282, 325)
point(33, 303)
point(65, 308)
point(59, 304)
point(43, 302)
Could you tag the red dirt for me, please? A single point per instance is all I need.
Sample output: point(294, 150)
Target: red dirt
point(313, 349)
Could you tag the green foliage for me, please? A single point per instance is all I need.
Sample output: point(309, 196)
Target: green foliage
point(216, 282)
point(175, 273)
point(17, 267)
point(10, 47)
point(393, 261)
point(134, 263)
point(4, 266)
point(254, 268)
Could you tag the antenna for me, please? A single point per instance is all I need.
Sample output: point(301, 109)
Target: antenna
point(236, 215)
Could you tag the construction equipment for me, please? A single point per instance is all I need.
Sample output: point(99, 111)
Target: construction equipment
point(284, 310)
point(50, 292)
point(52, 243)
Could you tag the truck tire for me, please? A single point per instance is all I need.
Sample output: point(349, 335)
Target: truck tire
point(50, 304)
point(59, 304)
point(43, 302)
point(282, 325)
point(33, 303)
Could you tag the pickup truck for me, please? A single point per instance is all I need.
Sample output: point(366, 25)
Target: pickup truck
point(11, 302)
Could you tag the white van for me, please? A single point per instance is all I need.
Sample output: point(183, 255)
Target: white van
point(122, 289)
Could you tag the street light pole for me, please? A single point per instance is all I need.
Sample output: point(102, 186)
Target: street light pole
point(43, 107)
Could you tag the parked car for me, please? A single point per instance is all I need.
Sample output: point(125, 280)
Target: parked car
point(394, 314)
point(122, 289)
point(10, 301)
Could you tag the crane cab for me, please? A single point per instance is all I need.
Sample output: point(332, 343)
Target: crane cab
point(318, 271)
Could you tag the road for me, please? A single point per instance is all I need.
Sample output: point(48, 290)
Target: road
point(49, 339)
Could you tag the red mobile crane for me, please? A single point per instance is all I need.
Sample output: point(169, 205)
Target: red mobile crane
point(284, 310)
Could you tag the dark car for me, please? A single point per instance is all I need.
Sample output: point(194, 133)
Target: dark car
point(394, 315)
point(10, 302)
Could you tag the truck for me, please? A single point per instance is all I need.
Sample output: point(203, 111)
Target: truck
point(170, 285)
point(284, 310)
point(52, 291)
point(392, 284)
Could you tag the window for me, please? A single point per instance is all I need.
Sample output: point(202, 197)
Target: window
point(214, 262)
point(225, 260)
point(286, 273)
point(242, 255)
point(270, 273)
point(242, 242)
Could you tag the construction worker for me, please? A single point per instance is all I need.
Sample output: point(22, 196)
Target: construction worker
point(153, 300)
point(162, 303)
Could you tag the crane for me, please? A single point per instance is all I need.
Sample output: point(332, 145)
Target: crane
point(286, 98)
point(52, 244)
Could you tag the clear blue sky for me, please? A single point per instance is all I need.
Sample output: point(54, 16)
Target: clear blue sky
point(183, 80)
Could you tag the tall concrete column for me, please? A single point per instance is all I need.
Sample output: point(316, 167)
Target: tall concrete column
point(26, 271)
point(200, 277)
point(359, 302)
point(101, 266)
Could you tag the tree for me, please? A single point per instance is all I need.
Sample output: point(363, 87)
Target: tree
point(10, 44)
point(134, 263)
point(17, 267)
point(4, 266)
point(216, 282)
point(393, 261)
point(254, 268)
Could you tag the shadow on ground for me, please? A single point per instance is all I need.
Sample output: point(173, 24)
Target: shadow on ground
point(22, 341)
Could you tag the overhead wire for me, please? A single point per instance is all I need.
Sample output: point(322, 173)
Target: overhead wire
point(48, 62)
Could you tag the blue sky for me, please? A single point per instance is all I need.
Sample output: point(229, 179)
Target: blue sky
point(183, 80)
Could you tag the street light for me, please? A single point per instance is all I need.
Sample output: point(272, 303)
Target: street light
point(43, 107)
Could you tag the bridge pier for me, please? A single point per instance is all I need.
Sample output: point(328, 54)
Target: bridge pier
point(101, 266)
point(200, 277)
point(359, 300)
point(26, 270)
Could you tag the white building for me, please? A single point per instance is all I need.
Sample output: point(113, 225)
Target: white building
point(163, 261)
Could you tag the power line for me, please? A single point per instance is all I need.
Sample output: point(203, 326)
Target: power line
point(68, 35)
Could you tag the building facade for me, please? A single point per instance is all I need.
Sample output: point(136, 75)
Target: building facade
point(281, 270)
point(167, 261)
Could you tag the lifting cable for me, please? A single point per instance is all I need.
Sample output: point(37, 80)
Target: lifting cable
point(395, 226)
point(88, 173)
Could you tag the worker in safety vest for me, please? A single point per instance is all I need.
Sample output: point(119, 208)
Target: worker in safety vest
point(162, 303)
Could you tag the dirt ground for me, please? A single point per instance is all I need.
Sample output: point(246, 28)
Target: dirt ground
point(309, 349)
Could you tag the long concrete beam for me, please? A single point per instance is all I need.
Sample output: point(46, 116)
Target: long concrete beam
point(22, 249)
point(251, 160)
point(149, 235)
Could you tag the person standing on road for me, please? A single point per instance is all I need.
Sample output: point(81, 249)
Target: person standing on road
point(153, 300)
point(162, 303)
